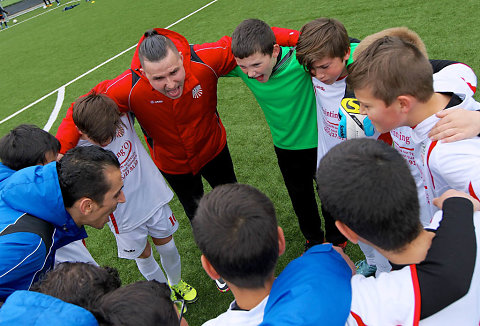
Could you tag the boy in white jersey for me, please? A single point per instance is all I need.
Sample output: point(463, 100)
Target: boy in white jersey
point(393, 82)
point(449, 76)
point(325, 49)
point(440, 285)
point(99, 122)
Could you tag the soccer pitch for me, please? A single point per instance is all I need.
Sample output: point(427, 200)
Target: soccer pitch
point(51, 56)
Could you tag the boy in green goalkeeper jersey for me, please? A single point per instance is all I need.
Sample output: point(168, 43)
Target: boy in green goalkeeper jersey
point(285, 93)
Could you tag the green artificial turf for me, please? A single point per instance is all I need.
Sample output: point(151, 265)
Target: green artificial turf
point(48, 48)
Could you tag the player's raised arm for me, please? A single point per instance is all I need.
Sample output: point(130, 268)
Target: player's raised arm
point(285, 36)
point(67, 132)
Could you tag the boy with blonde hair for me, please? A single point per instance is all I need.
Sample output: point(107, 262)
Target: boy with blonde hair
point(393, 82)
point(317, 49)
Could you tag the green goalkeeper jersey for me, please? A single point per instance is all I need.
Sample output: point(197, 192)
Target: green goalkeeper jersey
point(288, 102)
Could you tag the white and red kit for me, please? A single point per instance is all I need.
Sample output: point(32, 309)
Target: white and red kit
point(442, 290)
point(145, 191)
point(449, 76)
point(145, 188)
point(329, 98)
point(444, 166)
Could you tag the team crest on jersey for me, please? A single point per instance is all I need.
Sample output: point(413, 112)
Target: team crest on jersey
point(120, 132)
point(197, 91)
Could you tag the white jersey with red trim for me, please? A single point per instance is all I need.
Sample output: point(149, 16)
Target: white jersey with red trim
point(396, 298)
point(402, 141)
point(454, 78)
point(444, 166)
point(145, 188)
point(328, 99)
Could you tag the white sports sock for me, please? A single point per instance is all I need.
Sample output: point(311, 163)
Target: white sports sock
point(170, 260)
point(150, 269)
point(369, 253)
point(383, 265)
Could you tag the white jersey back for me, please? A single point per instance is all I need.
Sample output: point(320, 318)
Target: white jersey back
point(394, 298)
point(145, 188)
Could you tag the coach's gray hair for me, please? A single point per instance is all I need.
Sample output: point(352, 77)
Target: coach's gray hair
point(154, 47)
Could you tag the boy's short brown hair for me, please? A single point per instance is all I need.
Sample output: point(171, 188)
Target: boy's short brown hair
point(252, 36)
point(97, 116)
point(321, 38)
point(391, 67)
point(404, 33)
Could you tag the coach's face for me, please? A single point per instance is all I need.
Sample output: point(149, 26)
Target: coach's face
point(97, 214)
point(167, 75)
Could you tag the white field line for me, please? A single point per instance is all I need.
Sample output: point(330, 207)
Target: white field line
point(90, 71)
point(56, 109)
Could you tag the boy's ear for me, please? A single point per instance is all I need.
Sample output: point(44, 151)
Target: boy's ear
point(276, 50)
point(347, 232)
point(281, 241)
point(209, 268)
point(405, 103)
point(347, 55)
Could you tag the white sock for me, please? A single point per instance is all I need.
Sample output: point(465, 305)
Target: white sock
point(170, 260)
point(383, 265)
point(150, 269)
point(369, 253)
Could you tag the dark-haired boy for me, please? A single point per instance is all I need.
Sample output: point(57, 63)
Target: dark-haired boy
point(28, 145)
point(440, 285)
point(236, 230)
point(147, 213)
point(284, 92)
point(406, 96)
point(144, 303)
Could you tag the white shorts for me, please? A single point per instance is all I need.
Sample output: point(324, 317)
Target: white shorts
point(161, 225)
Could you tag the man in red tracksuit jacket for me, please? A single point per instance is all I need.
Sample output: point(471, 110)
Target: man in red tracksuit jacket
point(185, 135)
